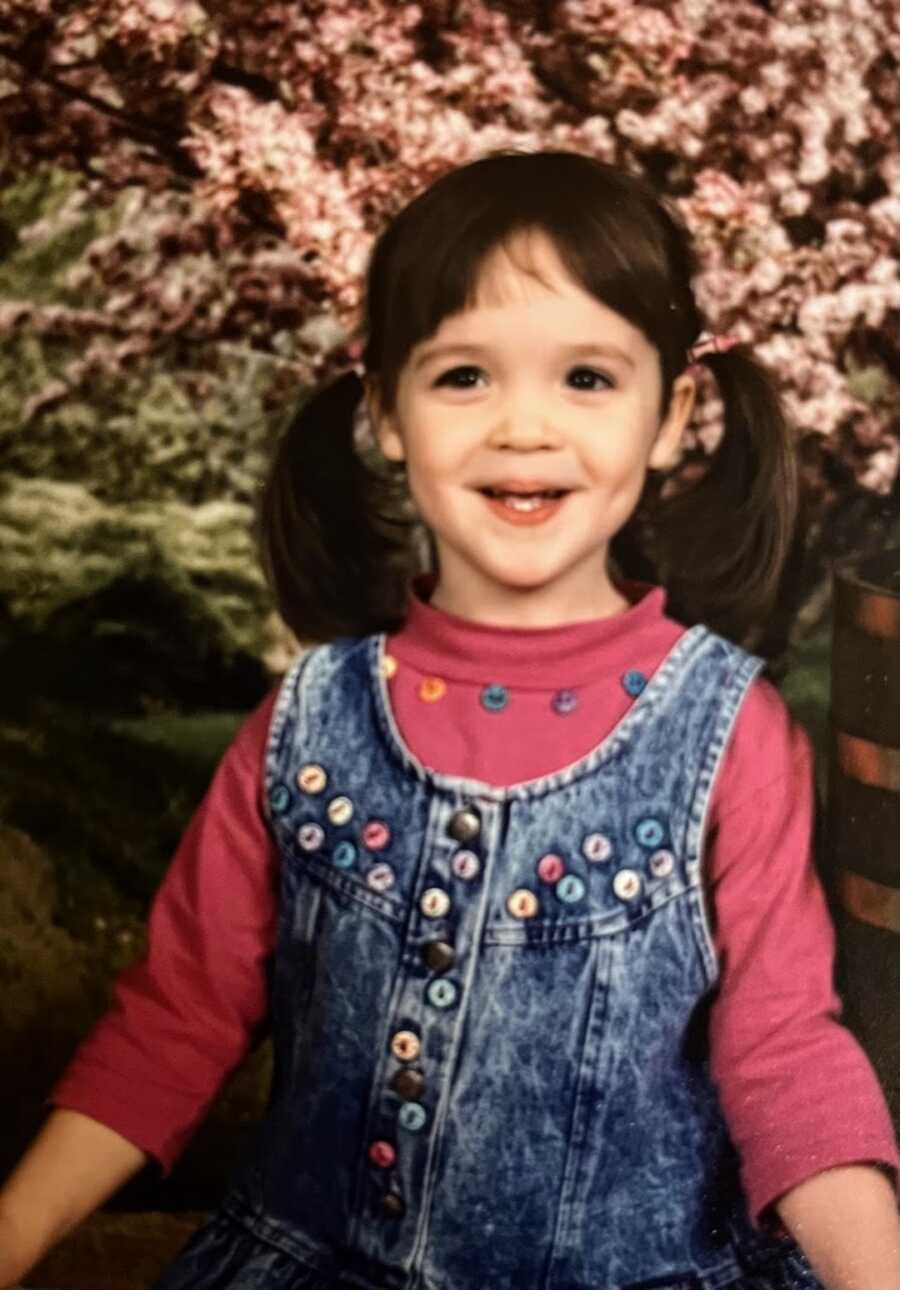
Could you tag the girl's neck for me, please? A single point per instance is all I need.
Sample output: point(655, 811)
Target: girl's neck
point(524, 610)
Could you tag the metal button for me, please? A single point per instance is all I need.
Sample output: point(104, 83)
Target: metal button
point(409, 1083)
point(649, 831)
point(434, 902)
point(344, 855)
point(570, 889)
point(564, 702)
point(340, 810)
point(312, 778)
point(523, 903)
point(382, 1154)
point(661, 864)
point(380, 877)
point(439, 955)
point(406, 1046)
point(627, 884)
point(392, 1205)
point(310, 836)
point(280, 799)
point(550, 868)
point(442, 993)
point(466, 865)
point(464, 825)
point(596, 847)
point(412, 1117)
point(376, 835)
point(494, 698)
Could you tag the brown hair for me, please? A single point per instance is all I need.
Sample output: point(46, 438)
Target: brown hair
point(337, 531)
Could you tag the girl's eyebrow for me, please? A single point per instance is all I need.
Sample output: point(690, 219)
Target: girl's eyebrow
point(572, 351)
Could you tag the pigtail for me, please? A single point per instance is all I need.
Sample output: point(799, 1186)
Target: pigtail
point(334, 544)
point(721, 546)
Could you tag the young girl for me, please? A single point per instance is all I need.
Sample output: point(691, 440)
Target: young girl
point(516, 863)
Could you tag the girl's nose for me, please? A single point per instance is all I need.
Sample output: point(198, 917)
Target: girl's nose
point(524, 425)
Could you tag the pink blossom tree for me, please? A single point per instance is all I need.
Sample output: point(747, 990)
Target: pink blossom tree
point(260, 146)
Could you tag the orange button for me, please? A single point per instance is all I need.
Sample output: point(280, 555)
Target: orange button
point(432, 689)
point(523, 903)
point(406, 1046)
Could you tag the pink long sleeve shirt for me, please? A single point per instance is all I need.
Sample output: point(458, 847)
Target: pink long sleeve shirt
point(798, 1093)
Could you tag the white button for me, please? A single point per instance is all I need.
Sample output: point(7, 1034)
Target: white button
point(340, 810)
point(627, 884)
point(661, 864)
point(310, 836)
point(434, 903)
point(380, 877)
point(596, 846)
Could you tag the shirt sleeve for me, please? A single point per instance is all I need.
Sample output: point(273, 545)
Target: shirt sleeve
point(797, 1091)
point(185, 1015)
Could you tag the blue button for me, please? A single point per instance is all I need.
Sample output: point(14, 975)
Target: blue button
point(494, 698)
point(570, 888)
point(280, 799)
point(564, 702)
point(412, 1116)
point(634, 682)
point(442, 993)
point(344, 855)
point(649, 832)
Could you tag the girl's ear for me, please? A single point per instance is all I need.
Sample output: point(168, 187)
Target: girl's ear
point(664, 452)
point(384, 427)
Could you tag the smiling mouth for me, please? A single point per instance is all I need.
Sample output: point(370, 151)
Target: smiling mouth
point(539, 503)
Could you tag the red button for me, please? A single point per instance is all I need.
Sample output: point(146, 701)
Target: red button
point(382, 1154)
point(550, 868)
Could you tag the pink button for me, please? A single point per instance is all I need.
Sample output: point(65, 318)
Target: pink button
point(376, 835)
point(382, 1154)
point(550, 868)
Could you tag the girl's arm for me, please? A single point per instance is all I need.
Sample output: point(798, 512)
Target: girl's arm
point(847, 1223)
point(72, 1167)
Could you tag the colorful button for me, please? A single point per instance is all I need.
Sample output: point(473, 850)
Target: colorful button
point(406, 1046)
point(442, 993)
point(310, 836)
point(550, 868)
point(376, 835)
point(634, 682)
point(564, 702)
point(340, 810)
point(649, 831)
point(464, 825)
point(388, 667)
point(432, 689)
point(494, 698)
point(661, 864)
point(438, 955)
point(627, 884)
point(466, 865)
point(523, 903)
point(381, 877)
point(596, 847)
point(412, 1117)
point(344, 855)
point(280, 799)
point(570, 889)
point(434, 902)
point(312, 778)
point(409, 1084)
point(382, 1154)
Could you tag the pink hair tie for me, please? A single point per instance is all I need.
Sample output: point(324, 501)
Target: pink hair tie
point(709, 344)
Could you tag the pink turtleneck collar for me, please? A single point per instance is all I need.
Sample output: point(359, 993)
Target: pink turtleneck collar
point(459, 649)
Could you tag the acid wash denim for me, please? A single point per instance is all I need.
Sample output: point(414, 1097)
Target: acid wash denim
point(486, 1076)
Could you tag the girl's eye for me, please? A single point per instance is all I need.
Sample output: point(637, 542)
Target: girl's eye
point(464, 378)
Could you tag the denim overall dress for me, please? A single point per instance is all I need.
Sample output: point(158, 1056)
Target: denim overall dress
point(489, 1010)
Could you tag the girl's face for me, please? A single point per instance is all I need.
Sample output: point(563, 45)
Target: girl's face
point(537, 388)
